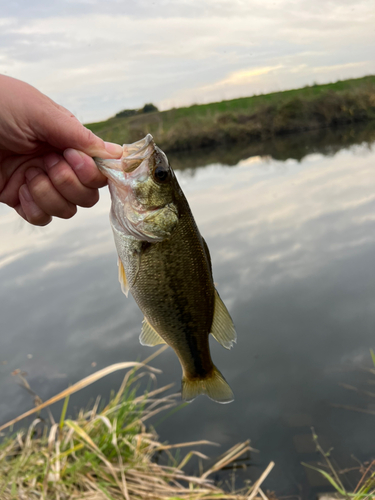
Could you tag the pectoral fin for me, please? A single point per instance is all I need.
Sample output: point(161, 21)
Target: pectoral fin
point(222, 325)
point(149, 335)
point(122, 278)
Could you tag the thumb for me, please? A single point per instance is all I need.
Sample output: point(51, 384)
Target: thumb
point(63, 130)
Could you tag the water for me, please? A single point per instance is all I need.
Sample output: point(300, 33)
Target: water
point(291, 229)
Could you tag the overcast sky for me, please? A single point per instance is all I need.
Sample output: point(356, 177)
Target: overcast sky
point(99, 57)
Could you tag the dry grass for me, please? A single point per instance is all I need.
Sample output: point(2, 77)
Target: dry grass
point(110, 453)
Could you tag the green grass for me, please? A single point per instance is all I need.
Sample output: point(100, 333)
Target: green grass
point(365, 489)
point(248, 118)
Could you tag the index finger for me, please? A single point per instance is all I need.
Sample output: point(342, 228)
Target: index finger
point(63, 130)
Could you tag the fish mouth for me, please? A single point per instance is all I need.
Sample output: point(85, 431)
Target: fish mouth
point(132, 157)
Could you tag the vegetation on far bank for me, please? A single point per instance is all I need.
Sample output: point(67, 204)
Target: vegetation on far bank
point(249, 118)
point(325, 141)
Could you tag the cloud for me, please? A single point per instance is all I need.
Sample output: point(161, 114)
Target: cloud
point(246, 76)
point(97, 58)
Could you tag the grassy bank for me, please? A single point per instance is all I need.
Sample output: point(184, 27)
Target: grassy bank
point(248, 119)
point(110, 452)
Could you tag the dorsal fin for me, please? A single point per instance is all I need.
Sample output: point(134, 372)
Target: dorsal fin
point(149, 336)
point(122, 278)
point(222, 328)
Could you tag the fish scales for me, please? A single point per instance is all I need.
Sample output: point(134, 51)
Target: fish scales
point(179, 304)
point(165, 263)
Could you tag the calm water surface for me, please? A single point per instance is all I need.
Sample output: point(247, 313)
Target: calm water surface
point(291, 230)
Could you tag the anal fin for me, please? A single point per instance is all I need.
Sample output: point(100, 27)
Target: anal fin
point(149, 336)
point(222, 328)
point(122, 278)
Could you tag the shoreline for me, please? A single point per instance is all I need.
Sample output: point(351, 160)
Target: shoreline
point(108, 452)
point(248, 120)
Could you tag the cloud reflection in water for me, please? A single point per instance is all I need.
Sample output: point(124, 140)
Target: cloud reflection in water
point(292, 244)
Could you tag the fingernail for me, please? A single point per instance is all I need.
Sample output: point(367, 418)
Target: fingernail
point(51, 160)
point(24, 191)
point(113, 149)
point(31, 173)
point(74, 157)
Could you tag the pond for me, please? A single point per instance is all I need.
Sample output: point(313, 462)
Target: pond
point(290, 224)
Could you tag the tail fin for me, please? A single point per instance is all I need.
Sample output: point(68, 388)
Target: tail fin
point(214, 386)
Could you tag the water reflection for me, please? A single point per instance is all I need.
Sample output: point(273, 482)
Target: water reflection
point(290, 146)
point(292, 244)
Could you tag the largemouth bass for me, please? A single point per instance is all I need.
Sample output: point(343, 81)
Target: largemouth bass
point(165, 263)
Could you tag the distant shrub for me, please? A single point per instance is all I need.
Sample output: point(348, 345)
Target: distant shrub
point(148, 108)
point(125, 113)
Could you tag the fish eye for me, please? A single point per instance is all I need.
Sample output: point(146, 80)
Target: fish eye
point(161, 174)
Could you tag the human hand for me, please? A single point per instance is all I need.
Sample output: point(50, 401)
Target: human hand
point(46, 167)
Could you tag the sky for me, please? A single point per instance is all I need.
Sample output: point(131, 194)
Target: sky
point(99, 57)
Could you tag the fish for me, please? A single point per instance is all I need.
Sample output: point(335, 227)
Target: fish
point(165, 263)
